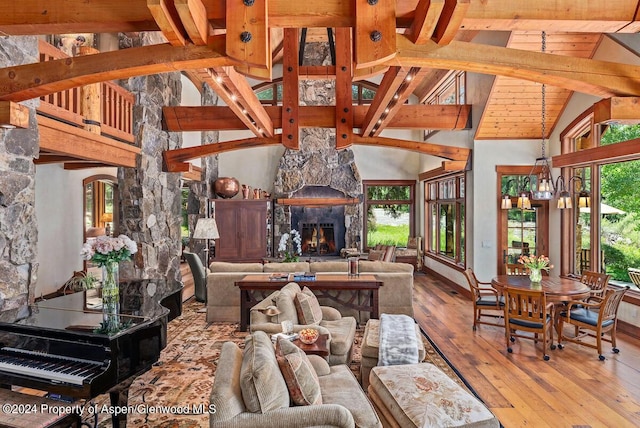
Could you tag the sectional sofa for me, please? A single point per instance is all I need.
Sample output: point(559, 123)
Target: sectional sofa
point(223, 297)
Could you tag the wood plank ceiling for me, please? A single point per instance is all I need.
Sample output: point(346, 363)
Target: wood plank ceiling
point(514, 108)
point(411, 42)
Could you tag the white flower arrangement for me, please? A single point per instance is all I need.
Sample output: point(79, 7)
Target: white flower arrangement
point(291, 246)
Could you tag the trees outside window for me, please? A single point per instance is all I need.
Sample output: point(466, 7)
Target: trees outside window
point(389, 207)
point(445, 218)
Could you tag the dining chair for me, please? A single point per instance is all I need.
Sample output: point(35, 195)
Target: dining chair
point(485, 298)
point(593, 323)
point(597, 282)
point(528, 311)
point(517, 269)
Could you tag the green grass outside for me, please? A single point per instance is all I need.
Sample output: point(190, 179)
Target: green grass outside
point(388, 235)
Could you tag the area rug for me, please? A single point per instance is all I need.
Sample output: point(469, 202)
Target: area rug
point(175, 392)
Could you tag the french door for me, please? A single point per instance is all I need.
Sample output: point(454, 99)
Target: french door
point(521, 231)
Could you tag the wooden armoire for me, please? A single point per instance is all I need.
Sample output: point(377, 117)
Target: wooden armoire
point(242, 225)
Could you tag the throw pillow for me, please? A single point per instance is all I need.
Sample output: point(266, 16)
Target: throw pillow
point(261, 381)
point(307, 307)
point(299, 375)
point(376, 255)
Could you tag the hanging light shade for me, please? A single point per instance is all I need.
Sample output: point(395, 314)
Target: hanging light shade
point(524, 203)
point(584, 199)
point(564, 200)
point(506, 202)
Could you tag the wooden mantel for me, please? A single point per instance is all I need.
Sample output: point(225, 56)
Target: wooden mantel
point(318, 202)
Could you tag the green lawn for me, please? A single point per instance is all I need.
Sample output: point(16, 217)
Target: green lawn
point(388, 235)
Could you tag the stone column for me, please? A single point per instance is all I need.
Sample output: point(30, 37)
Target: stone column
point(18, 227)
point(151, 199)
point(200, 192)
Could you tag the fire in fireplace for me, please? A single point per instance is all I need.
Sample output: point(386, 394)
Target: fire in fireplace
point(318, 238)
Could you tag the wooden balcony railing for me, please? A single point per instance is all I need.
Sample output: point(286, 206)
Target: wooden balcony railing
point(104, 108)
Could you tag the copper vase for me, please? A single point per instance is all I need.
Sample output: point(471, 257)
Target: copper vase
point(226, 187)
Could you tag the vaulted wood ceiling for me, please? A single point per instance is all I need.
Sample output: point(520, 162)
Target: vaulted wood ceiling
point(411, 42)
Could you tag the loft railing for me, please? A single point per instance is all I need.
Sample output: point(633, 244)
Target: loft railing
point(105, 108)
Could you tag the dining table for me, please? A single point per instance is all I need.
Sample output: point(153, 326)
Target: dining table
point(558, 290)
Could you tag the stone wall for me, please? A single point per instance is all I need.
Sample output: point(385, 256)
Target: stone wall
point(318, 163)
point(18, 227)
point(151, 199)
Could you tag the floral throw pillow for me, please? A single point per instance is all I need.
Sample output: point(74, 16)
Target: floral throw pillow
point(299, 375)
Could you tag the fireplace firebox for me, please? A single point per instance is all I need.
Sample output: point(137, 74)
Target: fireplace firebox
point(318, 239)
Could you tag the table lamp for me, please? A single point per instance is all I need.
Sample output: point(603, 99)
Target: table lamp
point(206, 228)
point(107, 218)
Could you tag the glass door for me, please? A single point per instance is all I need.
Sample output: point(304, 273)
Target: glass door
point(522, 231)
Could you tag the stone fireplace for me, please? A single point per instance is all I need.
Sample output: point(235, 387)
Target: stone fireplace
point(318, 170)
point(322, 229)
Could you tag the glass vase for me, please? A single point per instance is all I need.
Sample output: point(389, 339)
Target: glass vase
point(111, 297)
point(535, 275)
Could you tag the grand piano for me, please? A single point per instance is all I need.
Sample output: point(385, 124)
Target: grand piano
point(55, 348)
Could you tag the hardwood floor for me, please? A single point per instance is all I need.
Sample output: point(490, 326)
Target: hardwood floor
point(572, 389)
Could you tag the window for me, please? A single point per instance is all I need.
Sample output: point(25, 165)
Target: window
point(605, 236)
point(451, 90)
point(445, 208)
point(389, 207)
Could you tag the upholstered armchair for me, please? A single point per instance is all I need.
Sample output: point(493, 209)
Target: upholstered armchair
point(199, 275)
point(302, 308)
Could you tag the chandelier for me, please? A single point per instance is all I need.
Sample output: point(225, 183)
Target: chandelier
point(543, 188)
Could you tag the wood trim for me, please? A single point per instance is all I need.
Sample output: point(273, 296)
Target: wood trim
point(446, 280)
point(447, 168)
point(317, 202)
point(619, 152)
point(60, 138)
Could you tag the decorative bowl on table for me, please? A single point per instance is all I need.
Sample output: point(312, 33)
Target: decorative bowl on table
point(308, 335)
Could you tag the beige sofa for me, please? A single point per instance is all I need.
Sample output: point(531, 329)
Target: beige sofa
point(223, 297)
point(249, 390)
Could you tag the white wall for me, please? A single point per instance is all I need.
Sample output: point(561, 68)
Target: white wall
point(60, 220)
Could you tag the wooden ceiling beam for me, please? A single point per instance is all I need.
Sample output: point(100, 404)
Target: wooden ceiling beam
point(37, 17)
point(447, 152)
point(601, 78)
point(220, 118)
point(47, 158)
point(290, 90)
point(72, 166)
point(13, 115)
point(240, 98)
point(193, 15)
point(617, 110)
point(374, 32)
point(450, 21)
point(344, 96)
point(177, 160)
point(425, 20)
point(166, 15)
point(22, 82)
point(248, 32)
point(384, 97)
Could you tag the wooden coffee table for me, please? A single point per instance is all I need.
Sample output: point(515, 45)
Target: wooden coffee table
point(340, 288)
point(318, 348)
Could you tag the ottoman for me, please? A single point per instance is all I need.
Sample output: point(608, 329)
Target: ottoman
point(370, 349)
point(421, 395)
